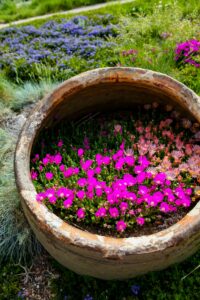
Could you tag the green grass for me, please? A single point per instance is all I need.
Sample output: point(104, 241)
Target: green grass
point(144, 33)
point(11, 10)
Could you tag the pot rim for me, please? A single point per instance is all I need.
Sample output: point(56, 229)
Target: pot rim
point(68, 234)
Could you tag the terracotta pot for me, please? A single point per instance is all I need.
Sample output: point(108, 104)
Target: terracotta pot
point(81, 251)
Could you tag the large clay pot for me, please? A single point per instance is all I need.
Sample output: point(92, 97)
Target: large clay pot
point(81, 251)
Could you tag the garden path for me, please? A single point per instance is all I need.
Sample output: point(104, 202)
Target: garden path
point(72, 11)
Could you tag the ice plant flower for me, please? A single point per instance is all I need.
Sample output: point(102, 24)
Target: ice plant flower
point(114, 212)
point(101, 212)
point(49, 175)
point(34, 175)
point(67, 203)
point(140, 221)
point(121, 226)
point(80, 213)
point(58, 159)
point(113, 188)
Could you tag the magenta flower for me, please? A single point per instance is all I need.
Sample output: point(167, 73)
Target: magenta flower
point(141, 177)
point(75, 171)
point(34, 175)
point(62, 168)
point(68, 202)
point(40, 196)
point(129, 180)
point(82, 182)
point(106, 160)
point(129, 160)
point(60, 143)
point(111, 198)
point(50, 194)
point(40, 168)
point(151, 201)
point(121, 226)
point(45, 161)
point(119, 164)
point(90, 173)
point(138, 169)
point(108, 190)
point(64, 192)
point(87, 164)
point(140, 221)
point(99, 191)
point(58, 159)
point(131, 196)
point(143, 190)
point(101, 212)
point(164, 207)
point(186, 202)
point(123, 206)
point(80, 152)
point(158, 196)
point(160, 178)
point(68, 173)
point(80, 194)
point(97, 170)
point(49, 175)
point(80, 213)
point(143, 161)
point(114, 212)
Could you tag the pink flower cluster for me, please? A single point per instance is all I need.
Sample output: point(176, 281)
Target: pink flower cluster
point(154, 175)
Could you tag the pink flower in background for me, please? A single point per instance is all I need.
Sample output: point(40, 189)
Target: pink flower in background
point(140, 221)
point(34, 175)
point(68, 202)
point(68, 173)
point(64, 192)
point(90, 173)
point(101, 212)
point(160, 178)
point(80, 194)
point(118, 129)
point(60, 143)
point(80, 213)
point(121, 226)
point(87, 164)
point(40, 196)
point(129, 160)
point(123, 206)
point(58, 159)
point(164, 207)
point(75, 171)
point(62, 168)
point(80, 152)
point(98, 170)
point(106, 160)
point(49, 175)
point(45, 161)
point(114, 212)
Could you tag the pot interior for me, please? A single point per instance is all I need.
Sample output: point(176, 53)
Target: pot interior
point(109, 97)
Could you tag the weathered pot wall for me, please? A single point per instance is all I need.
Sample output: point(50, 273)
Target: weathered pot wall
point(83, 252)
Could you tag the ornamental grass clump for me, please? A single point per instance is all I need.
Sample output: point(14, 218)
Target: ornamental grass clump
point(120, 174)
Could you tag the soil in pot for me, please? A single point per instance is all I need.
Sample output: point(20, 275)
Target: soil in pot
point(119, 174)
